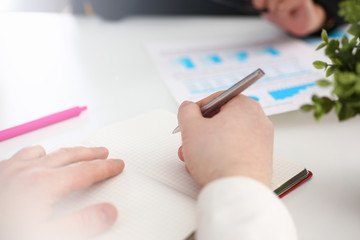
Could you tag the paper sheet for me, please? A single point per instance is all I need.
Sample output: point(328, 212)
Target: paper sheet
point(194, 70)
point(146, 208)
point(155, 196)
point(147, 146)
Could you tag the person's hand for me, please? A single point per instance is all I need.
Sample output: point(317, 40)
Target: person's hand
point(299, 17)
point(31, 182)
point(236, 141)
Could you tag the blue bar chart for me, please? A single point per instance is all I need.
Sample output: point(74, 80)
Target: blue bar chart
point(195, 70)
point(289, 92)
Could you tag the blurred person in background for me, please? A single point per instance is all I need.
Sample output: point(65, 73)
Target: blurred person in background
point(298, 17)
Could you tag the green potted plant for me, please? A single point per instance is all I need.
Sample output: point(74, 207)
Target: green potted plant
point(344, 66)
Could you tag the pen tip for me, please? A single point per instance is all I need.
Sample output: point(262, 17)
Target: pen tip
point(176, 130)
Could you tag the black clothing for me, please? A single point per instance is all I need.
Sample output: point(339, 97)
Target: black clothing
point(116, 9)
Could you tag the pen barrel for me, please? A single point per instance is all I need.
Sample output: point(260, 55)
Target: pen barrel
point(231, 92)
point(40, 123)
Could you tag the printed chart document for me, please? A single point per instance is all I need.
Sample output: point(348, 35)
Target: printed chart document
point(155, 196)
point(194, 70)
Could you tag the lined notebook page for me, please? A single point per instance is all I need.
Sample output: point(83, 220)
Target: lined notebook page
point(155, 195)
point(147, 146)
point(284, 170)
point(146, 209)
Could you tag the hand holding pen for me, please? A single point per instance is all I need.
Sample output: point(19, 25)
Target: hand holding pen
point(222, 98)
point(236, 141)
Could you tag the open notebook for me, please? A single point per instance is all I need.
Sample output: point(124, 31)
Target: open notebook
point(155, 196)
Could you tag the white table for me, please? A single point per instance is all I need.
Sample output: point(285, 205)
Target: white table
point(52, 62)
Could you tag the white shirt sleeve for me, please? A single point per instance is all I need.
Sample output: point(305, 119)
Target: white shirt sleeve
point(237, 208)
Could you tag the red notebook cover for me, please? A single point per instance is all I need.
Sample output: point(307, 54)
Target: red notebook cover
point(297, 185)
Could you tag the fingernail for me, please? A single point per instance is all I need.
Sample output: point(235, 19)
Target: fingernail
point(109, 214)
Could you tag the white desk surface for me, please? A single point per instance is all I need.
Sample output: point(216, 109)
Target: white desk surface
point(52, 62)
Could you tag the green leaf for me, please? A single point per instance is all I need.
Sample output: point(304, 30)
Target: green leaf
point(323, 83)
point(318, 108)
point(344, 40)
point(354, 104)
point(338, 107)
point(324, 35)
point(350, 10)
point(318, 115)
point(358, 68)
point(315, 98)
point(336, 61)
point(320, 64)
point(344, 65)
point(332, 47)
point(327, 104)
point(345, 78)
point(354, 30)
point(323, 44)
point(330, 71)
point(353, 42)
point(357, 87)
point(306, 108)
point(348, 112)
point(347, 93)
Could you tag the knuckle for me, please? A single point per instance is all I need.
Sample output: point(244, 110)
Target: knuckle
point(65, 152)
point(34, 177)
point(38, 175)
point(16, 167)
point(39, 149)
point(256, 105)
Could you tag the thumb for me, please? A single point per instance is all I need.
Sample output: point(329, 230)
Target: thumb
point(85, 223)
point(189, 114)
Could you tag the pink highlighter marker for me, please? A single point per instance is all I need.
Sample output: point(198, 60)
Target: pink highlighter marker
point(41, 122)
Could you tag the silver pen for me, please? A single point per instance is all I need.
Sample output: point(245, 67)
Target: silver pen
point(226, 96)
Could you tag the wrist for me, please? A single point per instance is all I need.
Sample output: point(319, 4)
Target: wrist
point(260, 173)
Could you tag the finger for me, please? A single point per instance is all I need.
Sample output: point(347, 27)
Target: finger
point(206, 100)
point(189, 112)
point(259, 4)
point(29, 153)
point(280, 20)
point(84, 174)
point(189, 115)
point(273, 6)
point(239, 105)
point(288, 6)
point(180, 154)
point(65, 156)
point(85, 223)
